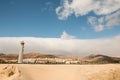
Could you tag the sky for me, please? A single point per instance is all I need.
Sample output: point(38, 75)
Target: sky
point(69, 21)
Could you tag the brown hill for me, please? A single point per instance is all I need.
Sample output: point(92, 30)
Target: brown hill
point(26, 55)
point(38, 55)
point(101, 58)
point(9, 56)
point(93, 58)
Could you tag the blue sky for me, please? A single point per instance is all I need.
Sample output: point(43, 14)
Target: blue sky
point(67, 27)
point(39, 18)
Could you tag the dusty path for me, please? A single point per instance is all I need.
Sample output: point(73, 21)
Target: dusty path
point(68, 72)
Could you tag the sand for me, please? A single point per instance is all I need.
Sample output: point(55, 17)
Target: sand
point(59, 72)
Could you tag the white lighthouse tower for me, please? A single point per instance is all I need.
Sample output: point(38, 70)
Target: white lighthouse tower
point(20, 57)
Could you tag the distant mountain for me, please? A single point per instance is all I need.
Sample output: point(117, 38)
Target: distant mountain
point(9, 56)
point(97, 56)
point(26, 55)
point(38, 55)
point(1, 54)
point(101, 58)
point(93, 58)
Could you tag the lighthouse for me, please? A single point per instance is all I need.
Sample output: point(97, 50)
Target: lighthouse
point(20, 57)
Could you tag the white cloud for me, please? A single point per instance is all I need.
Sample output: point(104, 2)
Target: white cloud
point(96, 23)
point(109, 21)
point(98, 28)
point(66, 36)
point(113, 19)
point(64, 11)
point(48, 6)
point(83, 7)
point(102, 8)
point(109, 46)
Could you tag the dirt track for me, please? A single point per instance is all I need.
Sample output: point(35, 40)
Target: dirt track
point(62, 72)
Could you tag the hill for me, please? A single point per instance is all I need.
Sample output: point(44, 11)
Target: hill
point(98, 58)
point(27, 55)
point(93, 58)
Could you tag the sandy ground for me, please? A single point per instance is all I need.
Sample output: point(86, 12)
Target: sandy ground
point(59, 72)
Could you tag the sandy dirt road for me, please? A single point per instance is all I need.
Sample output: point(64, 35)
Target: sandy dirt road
point(66, 72)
